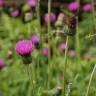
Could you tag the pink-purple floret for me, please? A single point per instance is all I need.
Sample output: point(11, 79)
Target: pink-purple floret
point(52, 18)
point(2, 3)
point(45, 52)
point(31, 3)
point(62, 46)
point(2, 64)
point(24, 47)
point(87, 8)
point(72, 54)
point(35, 39)
point(15, 13)
point(74, 7)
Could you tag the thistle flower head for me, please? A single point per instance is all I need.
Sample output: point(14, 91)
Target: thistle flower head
point(74, 7)
point(31, 3)
point(52, 18)
point(72, 54)
point(2, 3)
point(2, 64)
point(45, 52)
point(24, 47)
point(35, 39)
point(87, 8)
point(15, 13)
point(62, 47)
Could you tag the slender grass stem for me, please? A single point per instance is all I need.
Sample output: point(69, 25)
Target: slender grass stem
point(29, 28)
point(88, 88)
point(49, 30)
point(77, 35)
point(40, 31)
point(93, 15)
point(65, 66)
point(30, 81)
point(77, 40)
point(93, 19)
point(33, 76)
point(38, 15)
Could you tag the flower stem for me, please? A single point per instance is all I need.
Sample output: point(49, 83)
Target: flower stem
point(65, 66)
point(93, 19)
point(31, 85)
point(38, 15)
point(49, 30)
point(77, 40)
point(29, 28)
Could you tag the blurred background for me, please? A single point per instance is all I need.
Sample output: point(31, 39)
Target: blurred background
point(62, 52)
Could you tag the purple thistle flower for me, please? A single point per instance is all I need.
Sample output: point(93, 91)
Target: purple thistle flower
point(52, 18)
point(2, 2)
point(15, 13)
point(31, 3)
point(45, 52)
point(62, 47)
point(2, 64)
point(35, 39)
point(74, 7)
point(24, 47)
point(87, 8)
point(72, 54)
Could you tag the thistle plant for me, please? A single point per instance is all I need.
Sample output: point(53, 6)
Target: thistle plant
point(24, 48)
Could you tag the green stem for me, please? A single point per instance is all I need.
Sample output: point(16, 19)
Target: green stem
point(77, 40)
point(88, 88)
point(29, 28)
point(77, 36)
point(93, 19)
point(65, 66)
point(49, 30)
point(38, 15)
point(30, 73)
point(40, 31)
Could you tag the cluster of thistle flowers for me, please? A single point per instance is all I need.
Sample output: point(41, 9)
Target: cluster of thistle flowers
point(24, 48)
point(75, 6)
point(31, 4)
point(23, 10)
point(58, 21)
